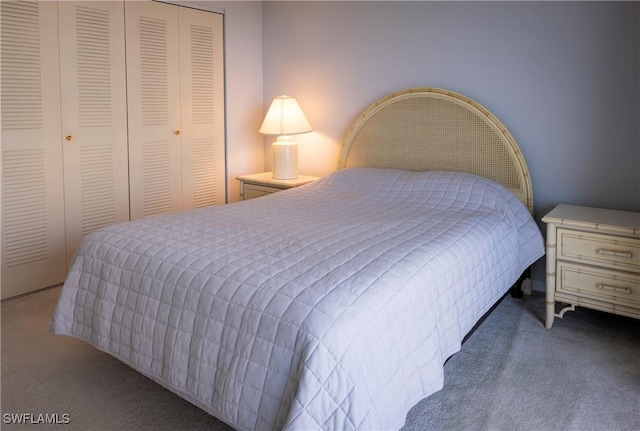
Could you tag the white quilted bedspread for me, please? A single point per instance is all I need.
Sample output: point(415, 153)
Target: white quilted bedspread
point(329, 306)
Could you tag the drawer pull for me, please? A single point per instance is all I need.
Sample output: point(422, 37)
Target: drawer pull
point(603, 286)
point(615, 253)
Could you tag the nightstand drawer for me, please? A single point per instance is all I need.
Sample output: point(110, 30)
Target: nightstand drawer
point(256, 185)
point(255, 191)
point(598, 283)
point(599, 249)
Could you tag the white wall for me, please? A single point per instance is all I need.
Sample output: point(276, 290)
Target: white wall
point(244, 62)
point(562, 76)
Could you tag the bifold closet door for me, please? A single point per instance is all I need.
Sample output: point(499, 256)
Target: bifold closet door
point(153, 76)
point(33, 243)
point(202, 108)
point(64, 134)
point(94, 117)
point(176, 108)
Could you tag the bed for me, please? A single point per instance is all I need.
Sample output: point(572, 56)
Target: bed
point(329, 306)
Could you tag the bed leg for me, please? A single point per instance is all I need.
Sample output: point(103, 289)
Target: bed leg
point(516, 289)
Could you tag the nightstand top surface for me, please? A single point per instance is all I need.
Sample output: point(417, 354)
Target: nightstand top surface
point(267, 178)
point(595, 218)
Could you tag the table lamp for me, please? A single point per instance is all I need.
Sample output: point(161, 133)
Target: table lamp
point(285, 118)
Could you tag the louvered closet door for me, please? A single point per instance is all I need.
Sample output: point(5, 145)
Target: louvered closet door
point(153, 86)
point(202, 108)
point(33, 244)
point(94, 117)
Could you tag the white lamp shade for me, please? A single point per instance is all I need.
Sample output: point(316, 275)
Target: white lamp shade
point(285, 117)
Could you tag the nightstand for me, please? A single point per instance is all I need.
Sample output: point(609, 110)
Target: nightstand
point(256, 185)
point(593, 260)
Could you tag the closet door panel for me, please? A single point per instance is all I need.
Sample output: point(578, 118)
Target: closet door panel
point(94, 119)
point(202, 108)
point(33, 243)
point(154, 108)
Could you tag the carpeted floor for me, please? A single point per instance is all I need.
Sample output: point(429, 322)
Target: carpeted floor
point(512, 374)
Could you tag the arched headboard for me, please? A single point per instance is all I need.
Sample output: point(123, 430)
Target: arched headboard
point(433, 129)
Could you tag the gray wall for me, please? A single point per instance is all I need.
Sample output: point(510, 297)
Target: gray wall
point(562, 76)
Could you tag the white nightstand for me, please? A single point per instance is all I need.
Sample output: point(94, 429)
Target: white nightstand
point(593, 260)
point(256, 185)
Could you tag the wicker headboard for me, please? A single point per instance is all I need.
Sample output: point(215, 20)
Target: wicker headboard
point(433, 129)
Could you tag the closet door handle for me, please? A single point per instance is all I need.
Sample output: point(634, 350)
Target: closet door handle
point(69, 138)
point(177, 132)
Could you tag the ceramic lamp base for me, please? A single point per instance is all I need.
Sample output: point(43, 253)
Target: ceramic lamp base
point(285, 159)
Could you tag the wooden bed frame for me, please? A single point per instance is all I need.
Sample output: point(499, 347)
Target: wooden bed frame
point(428, 128)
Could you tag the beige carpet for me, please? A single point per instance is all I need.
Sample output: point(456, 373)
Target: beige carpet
point(512, 374)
